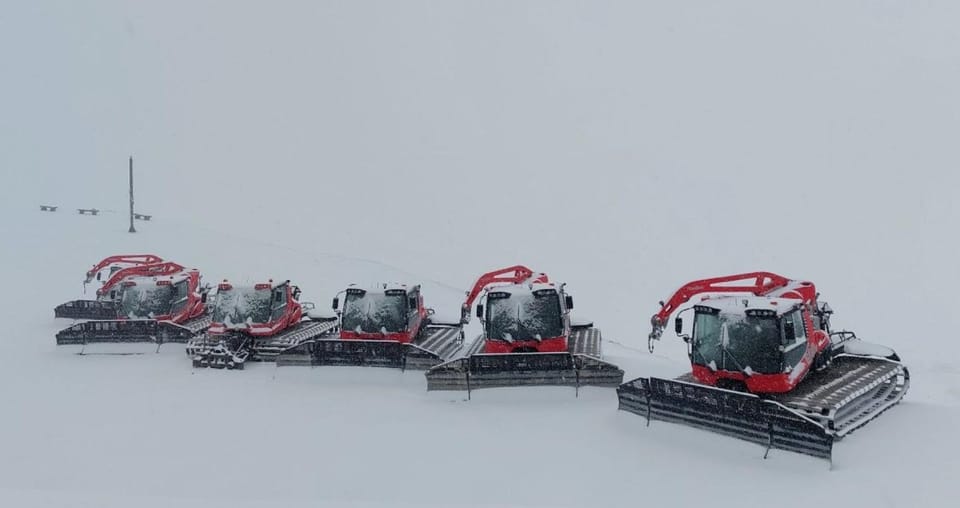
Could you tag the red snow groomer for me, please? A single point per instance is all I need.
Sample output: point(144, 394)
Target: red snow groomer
point(153, 309)
point(766, 367)
point(108, 273)
point(528, 338)
point(254, 322)
point(382, 326)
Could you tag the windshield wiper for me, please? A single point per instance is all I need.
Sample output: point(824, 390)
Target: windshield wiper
point(724, 338)
point(520, 328)
point(523, 331)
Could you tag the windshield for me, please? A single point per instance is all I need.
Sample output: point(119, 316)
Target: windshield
point(145, 302)
point(735, 342)
point(374, 312)
point(524, 316)
point(242, 306)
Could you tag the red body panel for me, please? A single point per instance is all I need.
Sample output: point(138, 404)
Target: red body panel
point(757, 383)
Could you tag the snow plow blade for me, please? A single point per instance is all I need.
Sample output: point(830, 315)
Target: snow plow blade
point(579, 366)
point(354, 353)
point(86, 309)
point(134, 331)
point(523, 369)
point(437, 344)
point(735, 414)
point(822, 410)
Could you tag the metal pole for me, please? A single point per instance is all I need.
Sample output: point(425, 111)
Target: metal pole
point(132, 229)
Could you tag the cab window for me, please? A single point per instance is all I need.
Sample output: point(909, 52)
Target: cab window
point(279, 305)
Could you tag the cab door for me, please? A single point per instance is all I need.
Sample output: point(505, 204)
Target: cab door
point(278, 305)
point(414, 318)
point(794, 347)
point(181, 297)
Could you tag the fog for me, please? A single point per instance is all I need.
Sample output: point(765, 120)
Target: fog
point(623, 147)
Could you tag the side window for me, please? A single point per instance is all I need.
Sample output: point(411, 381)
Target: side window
point(796, 319)
point(413, 299)
point(180, 296)
point(799, 326)
point(794, 351)
point(279, 303)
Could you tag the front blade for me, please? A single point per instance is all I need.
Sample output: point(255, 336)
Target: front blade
point(110, 331)
point(117, 336)
point(86, 309)
point(485, 370)
point(367, 353)
point(735, 414)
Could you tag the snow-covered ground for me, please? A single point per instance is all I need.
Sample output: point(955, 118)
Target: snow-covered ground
point(622, 147)
point(150, 430)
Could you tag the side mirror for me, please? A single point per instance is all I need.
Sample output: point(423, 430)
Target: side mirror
point(789, 333)
point(678, 325)
point(336, 303)
point(569, 302)
point(480, 311)
point(113, 294)
point(98, 275)
point(203, 298)
point(464, 314)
